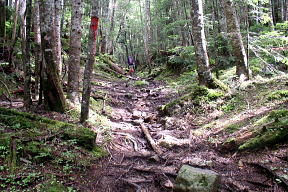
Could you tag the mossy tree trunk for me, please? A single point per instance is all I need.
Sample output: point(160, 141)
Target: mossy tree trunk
point(75, 51)
point(91, 60)
point(204, 73)
point(53, 93)
point(233, 29)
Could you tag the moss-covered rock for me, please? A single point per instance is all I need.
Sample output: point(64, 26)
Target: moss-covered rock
point(192, 179)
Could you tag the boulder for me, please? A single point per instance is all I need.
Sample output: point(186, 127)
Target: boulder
point(191, 179)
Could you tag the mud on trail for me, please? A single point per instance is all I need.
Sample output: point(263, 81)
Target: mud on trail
point(135, 165)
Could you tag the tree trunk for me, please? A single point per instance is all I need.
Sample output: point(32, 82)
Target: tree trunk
point(15, 21)
point(148, 35)
point(233, 29)
point(53, 93)
point(57, 30)
point(111, 30)
point(27, 64)
point(285, 5)
point(204, 73)
point(2, 19)
point(37, 48)
point(105, 16)
point(91, 60)
point(75, 51)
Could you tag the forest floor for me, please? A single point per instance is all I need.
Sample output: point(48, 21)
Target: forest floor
point(129, 106)
point(133, 165)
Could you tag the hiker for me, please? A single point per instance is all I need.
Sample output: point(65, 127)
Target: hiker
point(131, 64)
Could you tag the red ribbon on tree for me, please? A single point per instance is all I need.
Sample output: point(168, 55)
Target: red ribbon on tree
point(94, 25)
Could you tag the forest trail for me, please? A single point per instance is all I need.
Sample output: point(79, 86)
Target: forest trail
point(133, 165)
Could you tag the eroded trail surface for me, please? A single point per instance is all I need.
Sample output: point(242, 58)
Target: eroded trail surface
point(134, 165)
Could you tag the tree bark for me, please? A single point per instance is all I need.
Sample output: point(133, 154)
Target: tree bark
point(91, 60)
point(233, 29)
point(75, 51)
point(148, 35)
point(27, 64)
point(111, 30)
point(105, 16)
point(285, 5)
point(15, 21)
point(53, 93)
point(204, 73)
point(57, 30)
point(37, 48)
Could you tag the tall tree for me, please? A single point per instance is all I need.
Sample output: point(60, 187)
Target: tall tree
point(53, 94)
point(285, 5)
point(75, 50)
point(57, 30)
point(27, 64)
point(110, 48)
point(37, 49)
point(104, 26)
point(233, 29)
point(204, 73)
point(91, 60)
point(148, 35)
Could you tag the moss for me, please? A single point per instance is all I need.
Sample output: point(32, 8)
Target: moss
point(279, 94)
point(99, 152)
point(140, 83)
point(197, 95)
point(54, 187)
point(83, 136)
point(272, 133)
point(232, 128)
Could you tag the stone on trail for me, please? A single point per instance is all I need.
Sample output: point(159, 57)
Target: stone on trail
point(191, 179)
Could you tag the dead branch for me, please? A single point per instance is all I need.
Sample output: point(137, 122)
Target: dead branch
point(104, 102)
point(269, 172)
point(157, 169)
point(150, 139)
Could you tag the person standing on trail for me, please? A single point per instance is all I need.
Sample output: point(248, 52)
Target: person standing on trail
point(131, 64)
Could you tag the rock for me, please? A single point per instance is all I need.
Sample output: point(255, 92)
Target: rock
point(136, 115)
point(192, 179)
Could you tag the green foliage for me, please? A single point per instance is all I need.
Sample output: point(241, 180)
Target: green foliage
point(181, 59)
point(41, 142)
point(279, 94)
point(140, 83)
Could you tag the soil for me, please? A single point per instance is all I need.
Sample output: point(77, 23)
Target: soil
point(133, 165)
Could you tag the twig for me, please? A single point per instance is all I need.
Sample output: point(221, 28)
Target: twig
point(267, 170)
point(150, 140)
point(104, 102)
point(133, 184)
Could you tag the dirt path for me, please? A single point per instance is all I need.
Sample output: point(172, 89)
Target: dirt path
point(135, 166)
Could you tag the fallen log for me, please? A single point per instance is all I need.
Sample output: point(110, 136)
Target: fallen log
point(172, 171)
point(113, 66)
point(150, 139)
